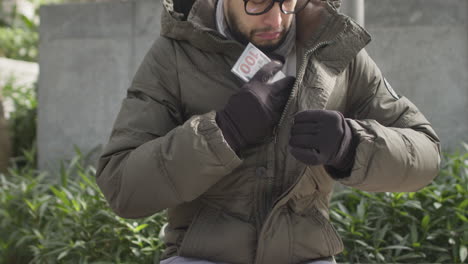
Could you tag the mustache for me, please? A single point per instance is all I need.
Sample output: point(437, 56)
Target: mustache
point(267, 29)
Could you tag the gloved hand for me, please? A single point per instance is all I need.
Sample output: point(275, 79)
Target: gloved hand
point(322, 137)
point(249, 116)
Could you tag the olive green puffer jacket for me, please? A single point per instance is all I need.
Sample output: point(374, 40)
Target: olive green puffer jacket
point(261, 206)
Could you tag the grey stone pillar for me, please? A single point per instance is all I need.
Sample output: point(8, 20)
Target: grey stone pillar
point(355, 9)
point(89, 54)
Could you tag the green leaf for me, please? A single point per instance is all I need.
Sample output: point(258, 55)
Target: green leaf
point(29, 23)
point(462, 217)
point(399, 195)
point(336, 216)
point(397, 247)
point(38, 234)
point(43, 209)
point(361, 209)
point(463, 205)
point(413, 204)
point(31, 206)
point(63, 175)
point(409, 256)
point(452, 241)
point(399, 237)
point(86, 178)
point(381, 257)
point(413, 233)
point(344, 210)
point(463, 253)
point(381, 234)
point(357, 233)
point(79, 244)
point(425, 222)
point(63, 254)
point(23, 239)
point(443, 259)
point(76, 205)
point(63, 196)
point(435, 248)
point(139, 228)
point(362, 243)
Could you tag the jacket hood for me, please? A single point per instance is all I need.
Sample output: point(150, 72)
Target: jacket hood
point(194, 21)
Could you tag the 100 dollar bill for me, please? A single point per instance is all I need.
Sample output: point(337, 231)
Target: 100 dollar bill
point(250, 62)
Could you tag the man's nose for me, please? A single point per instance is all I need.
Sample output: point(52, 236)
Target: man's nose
point(273, 18)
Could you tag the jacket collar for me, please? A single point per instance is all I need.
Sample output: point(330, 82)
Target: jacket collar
point(344, 37)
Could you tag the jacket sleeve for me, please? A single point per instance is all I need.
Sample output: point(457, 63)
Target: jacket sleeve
point(154, 159)
point(398, 151)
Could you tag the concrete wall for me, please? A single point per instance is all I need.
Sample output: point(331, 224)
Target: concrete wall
point(421, 47)
point(88, 55)
point(90, 52)
point(355, 9)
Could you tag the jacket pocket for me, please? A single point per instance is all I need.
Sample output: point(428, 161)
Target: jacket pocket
point(216, 236)
point(313, 236)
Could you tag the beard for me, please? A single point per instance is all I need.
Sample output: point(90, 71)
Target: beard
point(237, 34)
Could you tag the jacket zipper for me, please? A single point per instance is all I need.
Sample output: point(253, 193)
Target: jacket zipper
point(270, 183)
point(299, 78)
point(296, 84)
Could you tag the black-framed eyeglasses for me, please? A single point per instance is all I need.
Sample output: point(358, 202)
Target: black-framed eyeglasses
point(260, 7)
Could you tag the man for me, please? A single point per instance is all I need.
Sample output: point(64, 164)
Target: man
point(246, 170)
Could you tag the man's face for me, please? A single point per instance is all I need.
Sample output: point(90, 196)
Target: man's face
point(266, 31)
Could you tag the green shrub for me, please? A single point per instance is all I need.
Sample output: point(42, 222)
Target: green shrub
point(22, 121)
point(65, 219)
point(18, 44)
point(428, 226)
point(19, 37)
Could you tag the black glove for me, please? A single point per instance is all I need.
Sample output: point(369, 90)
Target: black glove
point(323, 137)
point(249, 116)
